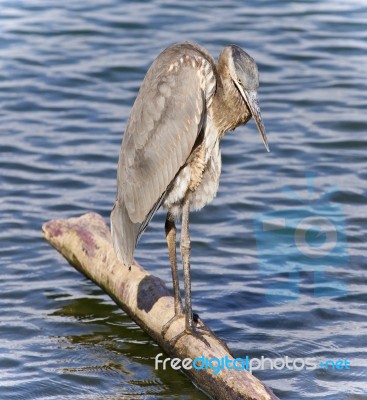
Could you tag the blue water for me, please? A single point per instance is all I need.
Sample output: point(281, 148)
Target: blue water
point(69, 73)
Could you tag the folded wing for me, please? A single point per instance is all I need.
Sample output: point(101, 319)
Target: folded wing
point(166, 118)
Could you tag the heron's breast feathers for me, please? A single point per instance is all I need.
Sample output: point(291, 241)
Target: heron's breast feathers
point(197, 166)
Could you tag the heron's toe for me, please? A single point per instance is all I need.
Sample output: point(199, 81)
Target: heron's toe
point(168, 324)
point(196, 332)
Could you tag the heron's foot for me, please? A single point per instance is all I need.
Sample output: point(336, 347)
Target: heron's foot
point(198, 332)
point(168, 324)
point(198, 329)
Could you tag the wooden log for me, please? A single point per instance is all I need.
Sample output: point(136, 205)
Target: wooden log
point(86, 243)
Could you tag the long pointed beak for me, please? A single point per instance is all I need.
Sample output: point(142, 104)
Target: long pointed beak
point(253, 104)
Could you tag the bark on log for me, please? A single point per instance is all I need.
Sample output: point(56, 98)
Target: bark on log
point(86, 243)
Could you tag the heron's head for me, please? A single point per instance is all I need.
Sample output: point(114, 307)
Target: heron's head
point(243, 71)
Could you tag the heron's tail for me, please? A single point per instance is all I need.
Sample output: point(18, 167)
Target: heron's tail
point(124, 233)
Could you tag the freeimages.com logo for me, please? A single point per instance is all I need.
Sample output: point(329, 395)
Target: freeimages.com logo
point(307, 238)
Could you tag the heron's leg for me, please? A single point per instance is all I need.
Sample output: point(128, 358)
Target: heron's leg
point(185, 246)
point(170, 228)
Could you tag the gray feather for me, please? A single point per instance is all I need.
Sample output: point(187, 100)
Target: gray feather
point(158, 140)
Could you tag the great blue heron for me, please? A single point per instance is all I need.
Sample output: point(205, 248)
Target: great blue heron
point(170, 154)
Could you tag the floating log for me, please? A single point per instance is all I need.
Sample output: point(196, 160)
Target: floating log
point(86, 243)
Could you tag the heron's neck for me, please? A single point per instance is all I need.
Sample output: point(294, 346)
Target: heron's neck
point(229, 108)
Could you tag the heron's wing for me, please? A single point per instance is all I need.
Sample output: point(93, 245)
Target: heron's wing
point(164, 123)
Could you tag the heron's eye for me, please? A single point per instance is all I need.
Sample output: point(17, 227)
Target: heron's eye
point(239, 81)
